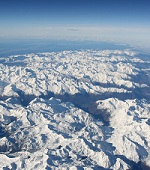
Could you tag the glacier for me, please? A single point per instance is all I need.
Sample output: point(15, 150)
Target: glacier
point(81, 109)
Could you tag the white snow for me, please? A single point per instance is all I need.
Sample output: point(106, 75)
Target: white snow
point(75, 110)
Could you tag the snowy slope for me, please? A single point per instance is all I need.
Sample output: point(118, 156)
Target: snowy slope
point(75, 110)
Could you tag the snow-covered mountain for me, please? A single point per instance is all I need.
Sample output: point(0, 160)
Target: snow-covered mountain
point(75, 110)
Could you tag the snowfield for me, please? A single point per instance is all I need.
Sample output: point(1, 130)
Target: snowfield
point(75, 110)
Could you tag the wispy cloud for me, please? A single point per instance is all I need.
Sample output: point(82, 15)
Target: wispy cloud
point(72, 29)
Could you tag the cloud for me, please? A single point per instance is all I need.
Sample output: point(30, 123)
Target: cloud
point(134, 36)
point(71, 29)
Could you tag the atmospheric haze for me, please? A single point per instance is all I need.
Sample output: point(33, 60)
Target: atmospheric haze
point(116, 21)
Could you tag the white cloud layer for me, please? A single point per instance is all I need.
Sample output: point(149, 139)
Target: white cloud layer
point(136, 37)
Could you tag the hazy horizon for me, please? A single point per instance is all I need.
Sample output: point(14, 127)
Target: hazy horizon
point(124, 22)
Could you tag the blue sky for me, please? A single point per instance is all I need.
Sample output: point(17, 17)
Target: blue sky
point(74, 12)
point(122, 20)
